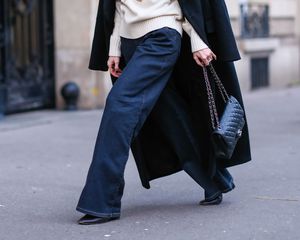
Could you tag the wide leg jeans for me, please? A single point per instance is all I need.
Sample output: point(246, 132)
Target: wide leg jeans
point(149, 65)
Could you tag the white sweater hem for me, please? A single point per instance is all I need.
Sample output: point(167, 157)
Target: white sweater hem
point(139, 29)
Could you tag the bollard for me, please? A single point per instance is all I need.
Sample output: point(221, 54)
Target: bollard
point(70, 93)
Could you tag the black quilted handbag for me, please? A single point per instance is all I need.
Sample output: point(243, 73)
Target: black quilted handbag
point(228, 129)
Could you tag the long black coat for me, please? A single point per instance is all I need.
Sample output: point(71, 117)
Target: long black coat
point(153, 155)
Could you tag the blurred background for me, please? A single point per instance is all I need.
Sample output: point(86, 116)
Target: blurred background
point(45, 44)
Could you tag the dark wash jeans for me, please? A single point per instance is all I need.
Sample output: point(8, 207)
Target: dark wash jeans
point(149, 64)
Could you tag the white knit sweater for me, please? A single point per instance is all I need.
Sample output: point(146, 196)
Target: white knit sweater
point(135, 18)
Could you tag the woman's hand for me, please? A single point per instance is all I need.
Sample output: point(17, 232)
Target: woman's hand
point(113, 65)
point(204, 57)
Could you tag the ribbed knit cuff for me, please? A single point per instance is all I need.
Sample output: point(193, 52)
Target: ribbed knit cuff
point(196, 42)
point(115, 46)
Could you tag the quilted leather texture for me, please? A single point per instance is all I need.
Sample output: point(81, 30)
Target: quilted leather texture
point(231, 124)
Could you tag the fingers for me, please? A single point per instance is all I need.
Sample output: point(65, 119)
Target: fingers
point(206, 60)
point(198, 60)
point(109, 63)
point(113, 65)
point(214, 56)
point(115, 74)
point(116, 71)
point(117, 66)
point(204, 57)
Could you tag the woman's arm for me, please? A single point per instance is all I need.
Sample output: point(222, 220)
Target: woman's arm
point(115, 44)
point(115, 40)
point(196, 42)
point(201, 52)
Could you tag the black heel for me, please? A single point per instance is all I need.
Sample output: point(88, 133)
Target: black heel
point(89, 220)
point(215, 201)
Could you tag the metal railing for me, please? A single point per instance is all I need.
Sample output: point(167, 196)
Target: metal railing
point(254, 20)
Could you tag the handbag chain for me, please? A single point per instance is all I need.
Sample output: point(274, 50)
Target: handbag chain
point(215, 122)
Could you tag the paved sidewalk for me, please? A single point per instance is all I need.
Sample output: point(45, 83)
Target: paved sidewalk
point(45, 155)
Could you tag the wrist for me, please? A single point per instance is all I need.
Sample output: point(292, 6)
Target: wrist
point(201, 49)
point(115, 46)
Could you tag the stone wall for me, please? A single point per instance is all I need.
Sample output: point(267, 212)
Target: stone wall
point(74, 27)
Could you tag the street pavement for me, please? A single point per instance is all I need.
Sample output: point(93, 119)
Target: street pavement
point(45, 155)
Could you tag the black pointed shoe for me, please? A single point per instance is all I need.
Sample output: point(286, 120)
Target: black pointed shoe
point(226, 190)
point(89, 219)
point(215, 201)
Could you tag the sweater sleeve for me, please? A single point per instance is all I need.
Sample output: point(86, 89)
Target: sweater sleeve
point(115, 39)
point(196, 42)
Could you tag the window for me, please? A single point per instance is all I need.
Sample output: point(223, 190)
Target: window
point(259, 72)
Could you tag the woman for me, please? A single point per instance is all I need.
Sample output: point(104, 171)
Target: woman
point(154, 50)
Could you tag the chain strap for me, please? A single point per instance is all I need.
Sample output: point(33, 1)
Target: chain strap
point(220, 85)
point(215, 122)
point(211, 102)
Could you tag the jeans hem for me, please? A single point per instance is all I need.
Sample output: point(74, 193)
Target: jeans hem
point(97, 214)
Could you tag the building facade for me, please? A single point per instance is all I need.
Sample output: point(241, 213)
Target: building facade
point(267, 34)
point(45, 44)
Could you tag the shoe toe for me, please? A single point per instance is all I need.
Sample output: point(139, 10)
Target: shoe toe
point(89, 219)
point(214, 201)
